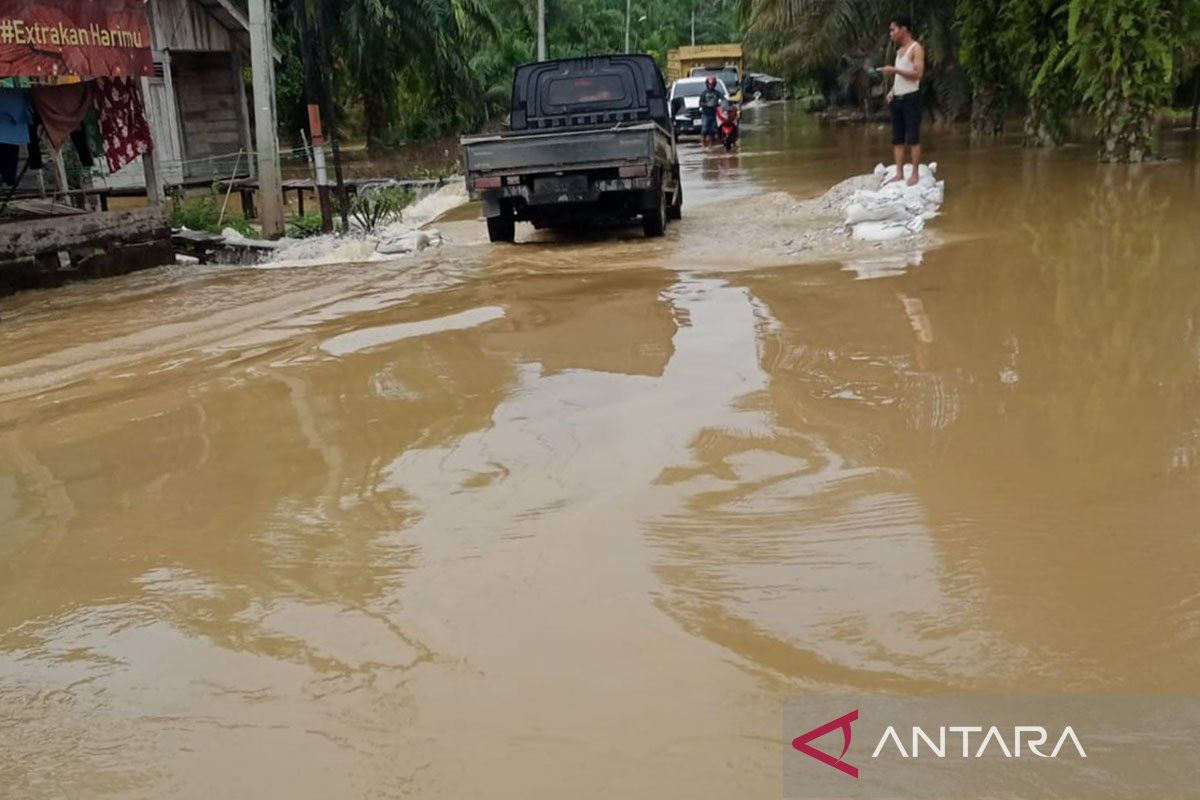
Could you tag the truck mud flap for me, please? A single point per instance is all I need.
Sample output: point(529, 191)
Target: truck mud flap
point(651, 196)
point(491, 205)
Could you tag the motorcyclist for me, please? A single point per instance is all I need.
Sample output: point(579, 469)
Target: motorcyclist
point(710, 98)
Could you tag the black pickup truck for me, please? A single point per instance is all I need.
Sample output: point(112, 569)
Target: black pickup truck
point(589, 139)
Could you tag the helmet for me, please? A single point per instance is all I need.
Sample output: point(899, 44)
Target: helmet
point(711, 81)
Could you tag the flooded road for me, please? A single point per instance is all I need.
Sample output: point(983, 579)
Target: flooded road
point(570, 518)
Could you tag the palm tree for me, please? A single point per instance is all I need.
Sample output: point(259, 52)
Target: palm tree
point(375, 46)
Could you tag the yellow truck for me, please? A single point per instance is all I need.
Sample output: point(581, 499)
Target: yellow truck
point(722, 60)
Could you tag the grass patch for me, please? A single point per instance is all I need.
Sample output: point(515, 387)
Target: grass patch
point(303, 227)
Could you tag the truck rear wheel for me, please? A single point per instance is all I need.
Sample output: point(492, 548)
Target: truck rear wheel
point(502, 228)
point(654, 220)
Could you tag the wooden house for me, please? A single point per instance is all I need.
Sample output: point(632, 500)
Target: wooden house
point(190, 57)
point(196, 102)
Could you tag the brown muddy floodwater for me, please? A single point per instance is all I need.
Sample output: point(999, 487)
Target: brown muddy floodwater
point(570, 518)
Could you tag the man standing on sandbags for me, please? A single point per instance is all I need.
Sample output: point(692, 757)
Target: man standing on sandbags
point(905, 96)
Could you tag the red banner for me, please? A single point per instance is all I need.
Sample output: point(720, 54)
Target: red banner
point(89, 38)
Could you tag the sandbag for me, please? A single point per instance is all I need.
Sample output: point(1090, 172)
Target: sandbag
point(887, 173)
point(409, 242)
point(895, 209)
point(886, 231)
point(867, 211)
point(879, 231)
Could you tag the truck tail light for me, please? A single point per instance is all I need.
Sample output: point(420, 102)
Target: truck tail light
point(492, 182)
point(635, 171)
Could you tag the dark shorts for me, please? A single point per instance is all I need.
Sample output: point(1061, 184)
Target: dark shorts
point(708, 123)
point(906, 118)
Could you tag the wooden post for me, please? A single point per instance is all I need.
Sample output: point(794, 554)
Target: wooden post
point(154, 193)
point(267, 144)
point(153, 171)
point(320, 173)
point(60, 173)
point(243, 113)
point(166, 165)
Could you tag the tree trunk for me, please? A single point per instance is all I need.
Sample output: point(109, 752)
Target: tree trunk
point(1127, 133)
point(375, 119)
point(1043, 126)
point(1195, 97)
point(987, 113)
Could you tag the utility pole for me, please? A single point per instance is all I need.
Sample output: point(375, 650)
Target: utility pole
point(263, 67)
point(267, 144)
point(628, 13)
point(693, 25)
point(541, 30)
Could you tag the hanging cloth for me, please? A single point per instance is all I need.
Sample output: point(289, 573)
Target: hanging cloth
point(122, 121)
point(61, 108)
point(15, 116)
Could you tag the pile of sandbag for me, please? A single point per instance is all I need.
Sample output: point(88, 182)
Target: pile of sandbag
point(895, 209)
point(395, 242)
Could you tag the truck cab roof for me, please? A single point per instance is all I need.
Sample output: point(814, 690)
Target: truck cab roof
point(591, 91)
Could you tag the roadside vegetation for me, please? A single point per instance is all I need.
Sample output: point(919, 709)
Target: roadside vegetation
point(204, 214)
point(395, 72)
point(1117, 66)
point(401, 71)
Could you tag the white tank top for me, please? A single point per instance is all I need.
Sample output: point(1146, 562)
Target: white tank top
point(905, 85)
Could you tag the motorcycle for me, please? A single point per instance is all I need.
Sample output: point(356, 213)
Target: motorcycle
point(727, 124)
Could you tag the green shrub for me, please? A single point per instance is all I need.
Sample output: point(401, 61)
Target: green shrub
point(197, 214)
point(302, 227)
point(204, 214)
point(242, 226)
point(375, 207)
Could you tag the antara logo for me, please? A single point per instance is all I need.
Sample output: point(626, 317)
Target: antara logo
point(801, 743)
point(1026, 739)
point(1035, 737)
